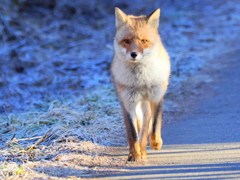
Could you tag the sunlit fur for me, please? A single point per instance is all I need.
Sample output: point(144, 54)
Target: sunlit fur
point(140, 82)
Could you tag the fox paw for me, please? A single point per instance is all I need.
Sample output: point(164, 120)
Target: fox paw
point(156, 143)
point(144, 154)
point(134, 157)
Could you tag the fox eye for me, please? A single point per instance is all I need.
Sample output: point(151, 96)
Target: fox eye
point(144, 41)
point(126, 41)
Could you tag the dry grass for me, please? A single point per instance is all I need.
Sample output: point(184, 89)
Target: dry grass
point(30, 140)
point(65, 160)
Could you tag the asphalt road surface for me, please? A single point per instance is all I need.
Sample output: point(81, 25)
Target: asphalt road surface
point(204, 144)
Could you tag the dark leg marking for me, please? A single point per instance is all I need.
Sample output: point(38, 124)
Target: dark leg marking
point(132, 134)
point(157, 120)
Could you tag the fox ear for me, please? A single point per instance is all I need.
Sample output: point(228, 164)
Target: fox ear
point(121, 17)
point(153, 18)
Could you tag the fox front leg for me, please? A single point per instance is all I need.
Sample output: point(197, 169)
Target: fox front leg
point(155, 136)
point(129, 99)
point(132, 136)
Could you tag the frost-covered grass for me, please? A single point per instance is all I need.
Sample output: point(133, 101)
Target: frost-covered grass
point(93, 117)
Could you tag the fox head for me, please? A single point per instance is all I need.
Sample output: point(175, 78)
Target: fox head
point(136, 36)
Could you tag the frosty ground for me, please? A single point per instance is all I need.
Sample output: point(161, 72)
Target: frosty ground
point(56, 86)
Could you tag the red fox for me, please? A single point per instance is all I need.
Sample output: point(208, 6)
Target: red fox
point(140, 70)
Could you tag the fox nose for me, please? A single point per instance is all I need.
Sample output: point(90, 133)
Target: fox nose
point(134, 55)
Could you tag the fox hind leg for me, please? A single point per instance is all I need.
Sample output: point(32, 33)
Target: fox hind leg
point(139, 114)
point(143, 136)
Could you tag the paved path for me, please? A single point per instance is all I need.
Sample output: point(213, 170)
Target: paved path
point(204, 144)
